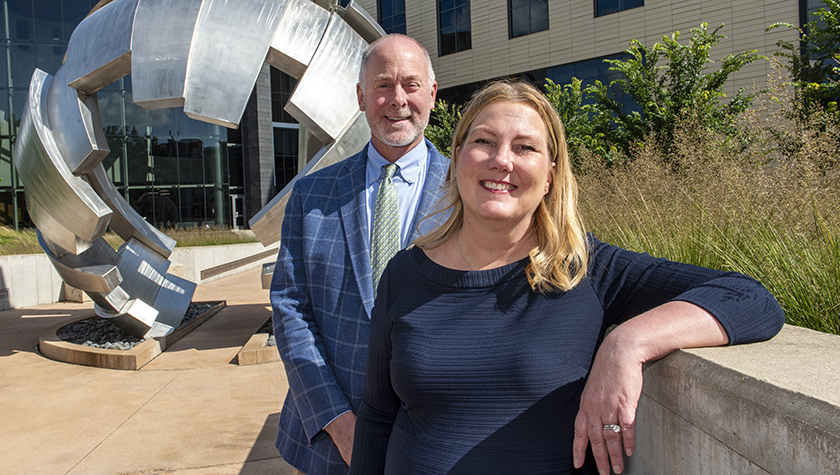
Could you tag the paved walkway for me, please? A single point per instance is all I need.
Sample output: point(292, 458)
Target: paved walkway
point(191, 411)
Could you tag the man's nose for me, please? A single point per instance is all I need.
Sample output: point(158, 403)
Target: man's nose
point(400, 97)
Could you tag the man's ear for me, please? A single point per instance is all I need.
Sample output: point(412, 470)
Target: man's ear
point(360, 97)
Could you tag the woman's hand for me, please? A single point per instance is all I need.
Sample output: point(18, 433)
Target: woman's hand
point(610, 396)
point(612, 391)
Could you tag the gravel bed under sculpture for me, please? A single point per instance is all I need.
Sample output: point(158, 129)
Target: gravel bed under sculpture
point(98, 332)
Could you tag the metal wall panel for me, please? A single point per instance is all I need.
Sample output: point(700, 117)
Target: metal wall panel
point(228, 50)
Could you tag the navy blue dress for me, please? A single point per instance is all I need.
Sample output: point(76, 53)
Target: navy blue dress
point(474, 373)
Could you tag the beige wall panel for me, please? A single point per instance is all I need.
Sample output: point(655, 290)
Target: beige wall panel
point(575, 34)
point(369, 6)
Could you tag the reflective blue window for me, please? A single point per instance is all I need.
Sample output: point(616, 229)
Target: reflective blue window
point(605, 7)
point(392, 15)
point(454, 26)
point(526, 17)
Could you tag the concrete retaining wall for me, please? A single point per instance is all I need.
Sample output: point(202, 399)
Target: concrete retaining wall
point(30, 279)
point(766, 408)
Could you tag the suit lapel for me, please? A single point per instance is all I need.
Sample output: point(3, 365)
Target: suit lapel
point(354, 218)
point(432, 192)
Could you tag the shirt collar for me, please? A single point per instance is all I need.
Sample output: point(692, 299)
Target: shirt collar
point(411, 164)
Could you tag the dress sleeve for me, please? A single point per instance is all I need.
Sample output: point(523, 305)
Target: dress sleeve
point(380, 404)
point(312, 383)
point(629, 283)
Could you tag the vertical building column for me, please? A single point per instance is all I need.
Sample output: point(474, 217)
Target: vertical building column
point(258, 146)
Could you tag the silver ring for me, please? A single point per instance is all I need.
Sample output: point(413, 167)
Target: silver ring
point(612, 427)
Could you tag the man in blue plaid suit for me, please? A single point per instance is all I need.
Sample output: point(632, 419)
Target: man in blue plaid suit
point(322, 293)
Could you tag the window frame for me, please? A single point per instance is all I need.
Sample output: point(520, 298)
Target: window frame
point(456, 4)
point(392, 29)
point(531, 30)
point(621, 7)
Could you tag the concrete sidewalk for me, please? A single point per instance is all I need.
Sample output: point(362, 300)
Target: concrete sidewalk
point(192, 410)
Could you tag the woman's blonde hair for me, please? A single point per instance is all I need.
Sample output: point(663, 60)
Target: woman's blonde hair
point(559, 261)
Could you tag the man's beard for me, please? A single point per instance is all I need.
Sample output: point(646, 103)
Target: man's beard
point(398, 138)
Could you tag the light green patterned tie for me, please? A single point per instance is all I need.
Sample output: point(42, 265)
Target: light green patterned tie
point(386, 224)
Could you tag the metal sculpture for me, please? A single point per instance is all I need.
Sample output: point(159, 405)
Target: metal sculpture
point(208, 70)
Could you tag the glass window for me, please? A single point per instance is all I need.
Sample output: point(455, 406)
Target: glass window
point(285, 156)
point(49, 58)
point(113, 162)
point(20, 20)
point(140, 171)
point(526, 17)
point(5, 162)
point(7, 210)
point(605, 7)
point(48, 25)
point(74, 12)
point(5, 114)
point(392, 15)
point(157, 206)
point(593, 70)
point(282, 87)
point(18, 103)
point(23, 64)
point(454, 26)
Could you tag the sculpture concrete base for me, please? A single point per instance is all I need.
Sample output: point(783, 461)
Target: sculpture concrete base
point(256, 351)
point(54, 348)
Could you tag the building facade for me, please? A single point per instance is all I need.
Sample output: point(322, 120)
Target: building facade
point(473, 41)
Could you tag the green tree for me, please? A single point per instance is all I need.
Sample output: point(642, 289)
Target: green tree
point(444, 118)
point(670, 85)
point(578, 121)
point(812, 62)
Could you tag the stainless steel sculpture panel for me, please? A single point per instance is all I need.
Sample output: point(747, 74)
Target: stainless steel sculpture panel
point(76, 126)
point(204, 55)
point(324, 100)
point(164, 31)
point(99, 51)
point(89, 271)
point(70, 200)
point(297, 37)
point(228, 50)
point(361, 21)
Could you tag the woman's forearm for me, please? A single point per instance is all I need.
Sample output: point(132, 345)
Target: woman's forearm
point(664, 329)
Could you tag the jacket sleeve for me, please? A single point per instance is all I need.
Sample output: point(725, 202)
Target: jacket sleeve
point(629, 283)
point(312, 383)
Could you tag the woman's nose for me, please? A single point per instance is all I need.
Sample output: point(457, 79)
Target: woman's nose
point(502, 159)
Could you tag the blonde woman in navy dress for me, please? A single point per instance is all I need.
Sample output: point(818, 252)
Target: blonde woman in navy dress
point(487, 352)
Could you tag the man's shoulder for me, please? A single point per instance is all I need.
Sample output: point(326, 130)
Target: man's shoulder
point(330, 173)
